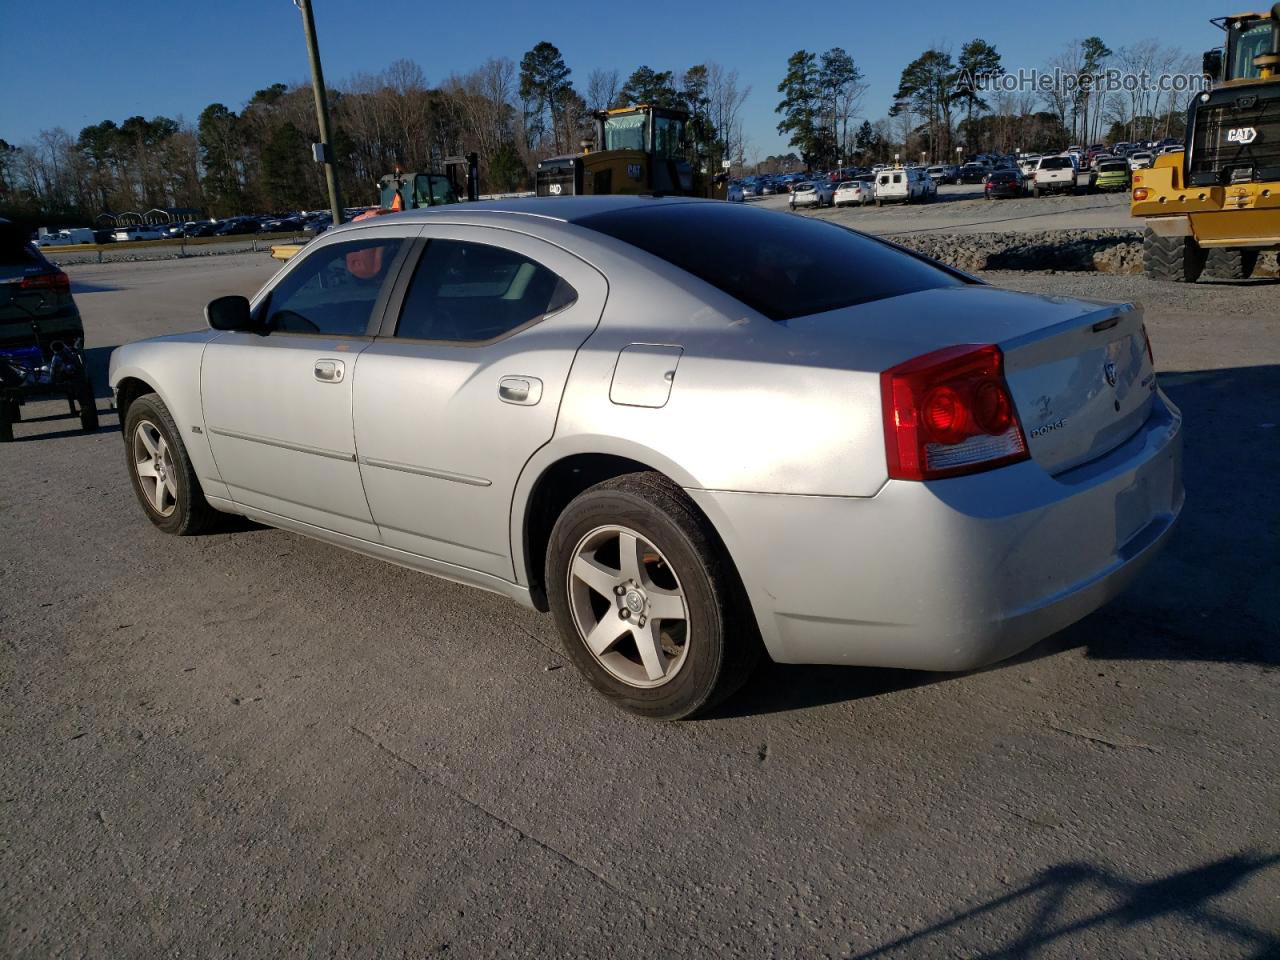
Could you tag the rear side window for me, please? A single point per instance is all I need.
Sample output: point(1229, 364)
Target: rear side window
point(474, 292)
point(780, 265)
point(333, 291)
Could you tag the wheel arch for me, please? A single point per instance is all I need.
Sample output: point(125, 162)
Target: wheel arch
point(128, 389)
point(556, 475)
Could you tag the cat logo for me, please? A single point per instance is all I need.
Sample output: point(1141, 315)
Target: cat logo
point(554, 189)
point(633, 171)
point(1242, 135)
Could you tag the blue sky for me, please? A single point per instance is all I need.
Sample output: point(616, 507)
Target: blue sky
point(77, 62)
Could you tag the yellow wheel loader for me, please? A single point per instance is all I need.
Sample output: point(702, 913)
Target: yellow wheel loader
point(1214, 207)
point(637, 150)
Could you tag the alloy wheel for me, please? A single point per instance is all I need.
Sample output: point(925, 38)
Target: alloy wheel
point(153, 464)
point(628, 606)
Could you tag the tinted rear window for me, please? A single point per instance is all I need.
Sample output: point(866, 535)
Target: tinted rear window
point(779, 264)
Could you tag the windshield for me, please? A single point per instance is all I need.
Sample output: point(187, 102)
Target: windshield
point(1055, 163)
point(625, 132)
point(781, 265)
point(1245, 44)
point(1113, 167)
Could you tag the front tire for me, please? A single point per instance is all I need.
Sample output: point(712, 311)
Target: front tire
point(1173, 259)
point(648, 605)
point(160, 470)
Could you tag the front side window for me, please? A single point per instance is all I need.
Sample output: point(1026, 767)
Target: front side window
point(333, 290)
point(473, 292)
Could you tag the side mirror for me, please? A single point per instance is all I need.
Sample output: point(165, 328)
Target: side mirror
point(1211, 64)
point(230, 313)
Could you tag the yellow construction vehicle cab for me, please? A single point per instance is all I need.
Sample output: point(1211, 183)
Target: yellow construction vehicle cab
point(637, 150)
point(1216, 205)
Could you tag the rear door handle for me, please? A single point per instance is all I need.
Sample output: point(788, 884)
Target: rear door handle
point(330, 371)
point(525, 391)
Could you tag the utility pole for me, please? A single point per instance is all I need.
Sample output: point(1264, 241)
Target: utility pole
point(323, 149)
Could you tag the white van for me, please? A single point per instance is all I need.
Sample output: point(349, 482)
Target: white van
point(64, 238)
point(905, 185)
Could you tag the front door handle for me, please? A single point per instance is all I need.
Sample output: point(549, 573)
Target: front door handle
point(525, 391)
point(330, 371)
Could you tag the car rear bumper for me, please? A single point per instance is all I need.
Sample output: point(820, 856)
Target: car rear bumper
point(958, 573)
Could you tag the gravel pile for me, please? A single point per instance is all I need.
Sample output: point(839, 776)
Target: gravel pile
point(1102, 251)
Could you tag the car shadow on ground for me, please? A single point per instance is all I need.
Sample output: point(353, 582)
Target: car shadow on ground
point(1051, 910)
point(1210, 596)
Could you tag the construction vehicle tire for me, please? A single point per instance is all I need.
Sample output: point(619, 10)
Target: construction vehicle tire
point(1174, 259)
point(1230, 263)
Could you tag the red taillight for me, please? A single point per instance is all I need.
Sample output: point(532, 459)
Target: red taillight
point(1140, 194)
point(949, 413)
point(57, 282)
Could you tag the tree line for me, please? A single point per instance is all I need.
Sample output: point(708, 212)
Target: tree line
point(258, 158)
point(947, 106)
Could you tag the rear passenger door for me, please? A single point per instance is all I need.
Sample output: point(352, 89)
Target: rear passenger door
point(463, 384)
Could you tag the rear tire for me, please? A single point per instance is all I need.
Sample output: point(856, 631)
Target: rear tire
point(1230, 263)
point(1172, 259)
point(696, 660)
point(182, 510)
point(1035, 192)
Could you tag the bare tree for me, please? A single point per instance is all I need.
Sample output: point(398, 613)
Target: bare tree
point(602, 89)
point(726, 100)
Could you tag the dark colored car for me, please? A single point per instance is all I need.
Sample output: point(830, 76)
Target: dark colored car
point(201, 228)
point(973, 173)
point(172, 231)
point(1004, 183)
point(289, 224)
point(41, 335)
point(315, 226)
point(236, 226)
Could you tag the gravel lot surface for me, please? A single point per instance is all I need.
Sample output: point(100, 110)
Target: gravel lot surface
point(251, 744)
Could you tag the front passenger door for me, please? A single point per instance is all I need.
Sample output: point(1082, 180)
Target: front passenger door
point(277, 406)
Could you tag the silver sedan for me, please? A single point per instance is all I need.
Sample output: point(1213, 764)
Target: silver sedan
point(695, 432)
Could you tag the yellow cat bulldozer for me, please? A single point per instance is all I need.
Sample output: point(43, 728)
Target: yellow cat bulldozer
point(1215, 206)
point(640, 149)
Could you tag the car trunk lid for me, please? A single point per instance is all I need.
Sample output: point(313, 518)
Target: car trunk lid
point(1078, 371)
